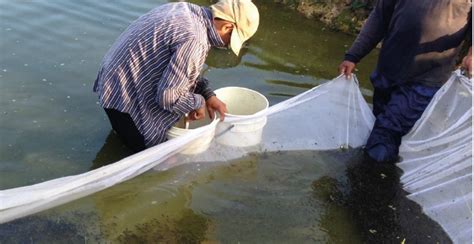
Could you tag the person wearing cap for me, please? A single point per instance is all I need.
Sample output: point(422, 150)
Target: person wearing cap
point(150, 77)
point(421, 42)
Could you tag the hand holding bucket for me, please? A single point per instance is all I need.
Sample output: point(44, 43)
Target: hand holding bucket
point(196, 114)
point(214, 105)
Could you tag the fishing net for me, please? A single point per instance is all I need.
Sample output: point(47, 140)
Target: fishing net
point(436, 154)
point(437, 159)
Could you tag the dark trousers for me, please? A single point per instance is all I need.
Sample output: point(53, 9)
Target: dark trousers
point(124, 126)
point(396, 109)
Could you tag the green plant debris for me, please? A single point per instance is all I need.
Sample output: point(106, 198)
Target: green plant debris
point(189, 228)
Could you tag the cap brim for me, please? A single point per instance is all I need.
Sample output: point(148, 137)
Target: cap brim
point(235, 42)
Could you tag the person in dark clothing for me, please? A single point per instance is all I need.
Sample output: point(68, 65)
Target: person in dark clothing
point(420, 43)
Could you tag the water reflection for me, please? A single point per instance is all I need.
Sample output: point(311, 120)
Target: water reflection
point(288, 47)
point(112, 151)
point(222, 59)
point(50, 53)
point(284, 197)
point(289, 83)
point(290, 43)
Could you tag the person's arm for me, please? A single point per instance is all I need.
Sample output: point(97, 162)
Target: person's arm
point(213, 103)
point(203, 88)
point(371, 34)
point(173, 93)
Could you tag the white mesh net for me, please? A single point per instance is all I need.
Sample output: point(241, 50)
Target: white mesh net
point(437, 152)
point(437, 159)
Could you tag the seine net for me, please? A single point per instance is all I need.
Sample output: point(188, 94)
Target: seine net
point(436, 154)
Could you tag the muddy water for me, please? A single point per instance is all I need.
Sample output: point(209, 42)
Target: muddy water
point(282, 197)
point(51, 126)
point(50, 52)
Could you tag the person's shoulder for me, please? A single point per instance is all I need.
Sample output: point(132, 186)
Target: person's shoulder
point(174, 8)
point(196, 24)
point(178, 6)
point(183, 21)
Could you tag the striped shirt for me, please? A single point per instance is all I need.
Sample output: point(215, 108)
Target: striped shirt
point(152, 71)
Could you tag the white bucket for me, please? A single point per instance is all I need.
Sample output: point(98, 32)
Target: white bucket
point(199, 145)
point(241, 103)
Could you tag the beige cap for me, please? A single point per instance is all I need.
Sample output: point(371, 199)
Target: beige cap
point(243, 14)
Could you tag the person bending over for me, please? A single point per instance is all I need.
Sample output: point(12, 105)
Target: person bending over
point(150, 77)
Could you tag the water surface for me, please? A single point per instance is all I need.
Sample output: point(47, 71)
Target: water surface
point(281, 197)
point(51, 124)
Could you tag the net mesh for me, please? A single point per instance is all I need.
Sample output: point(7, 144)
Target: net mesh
point(436, 153)
point(437, 159)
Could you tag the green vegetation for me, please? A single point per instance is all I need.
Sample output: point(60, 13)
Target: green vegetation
point(343, 15)
point(189, 228)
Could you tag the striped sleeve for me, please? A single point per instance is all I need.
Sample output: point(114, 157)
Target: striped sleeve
point(174, 87)
point(203, 88)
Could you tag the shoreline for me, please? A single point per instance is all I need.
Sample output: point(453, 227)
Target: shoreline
point(346, 16)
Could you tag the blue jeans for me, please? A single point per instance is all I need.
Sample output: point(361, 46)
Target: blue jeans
point(396, 108)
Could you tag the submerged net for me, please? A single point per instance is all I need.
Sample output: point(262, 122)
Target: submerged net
point(331, 116)
point(437, 159)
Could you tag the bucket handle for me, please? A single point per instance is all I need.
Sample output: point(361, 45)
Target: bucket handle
point(224, 131)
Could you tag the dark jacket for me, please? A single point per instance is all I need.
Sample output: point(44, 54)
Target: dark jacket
point(421, 39)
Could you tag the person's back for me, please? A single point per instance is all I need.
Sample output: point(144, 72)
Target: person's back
point(153, 33)
point(150, 77)
point(128, 79)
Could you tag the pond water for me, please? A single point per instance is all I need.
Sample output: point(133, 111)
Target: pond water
point(52, 126)
point(281, 197)
point(50, 52)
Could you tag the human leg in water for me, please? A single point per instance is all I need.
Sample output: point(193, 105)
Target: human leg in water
point(395, 119)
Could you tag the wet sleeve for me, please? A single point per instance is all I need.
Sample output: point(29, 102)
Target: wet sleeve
point(372, 32)
point(203, 88)
point(174, 88)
